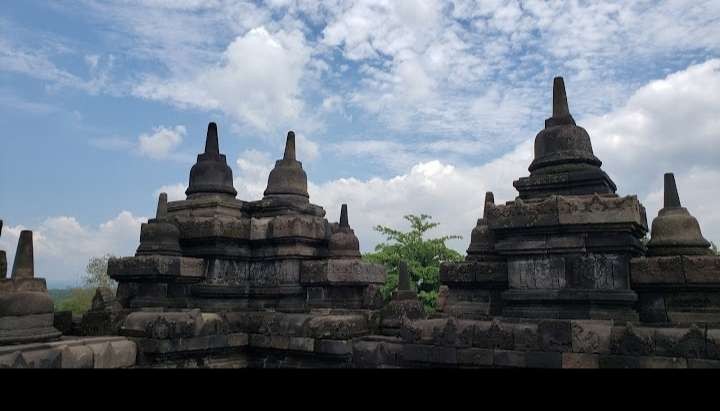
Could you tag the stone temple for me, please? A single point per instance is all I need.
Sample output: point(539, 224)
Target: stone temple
point(563, 276)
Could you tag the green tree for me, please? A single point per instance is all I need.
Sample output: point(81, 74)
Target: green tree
point(96, 275)
point(423, 257)
point(79, 299)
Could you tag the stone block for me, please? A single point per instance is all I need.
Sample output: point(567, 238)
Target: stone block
point(43, 358)
point(495, 335)
point(279, 342)
point(259, 340)
point(301, 344)
point(506, 358)
point(701, 363)
point(680, 342)
point(341, 271)
point(116, 354)
point(429, 331)
point(590, 336)
point(713, 344)
point(525, 337)
point(618, 361)
point(237, 340)
point(543, 359)
point(337, 327)
point(429, 354)
point(475, 356)
point(663, 362)
point(632, 341)
point(555, 336)
point(376, 354)
point(77, 356)
point(702, 269)
point(334, 347)
point(156, 267)
point(656, 270)
point(575, 360)
point(545, 272)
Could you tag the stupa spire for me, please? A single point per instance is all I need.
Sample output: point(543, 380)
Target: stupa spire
point(161, 213)
point(3, 258)
point(211, 175)
point(290, 146)
point(403, 276)
point(344, 216)
point(24, 264)
point(211, 140)
point(672, 199)
point(489, 202)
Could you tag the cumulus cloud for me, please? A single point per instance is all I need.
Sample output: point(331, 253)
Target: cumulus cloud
point(162, 142)
point(63, 246)
point(258, 70)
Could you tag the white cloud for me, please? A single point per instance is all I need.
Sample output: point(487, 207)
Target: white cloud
point(62, 246)
point(162, 142)
point(174, 192)
point(254, 167)
point(257, 80)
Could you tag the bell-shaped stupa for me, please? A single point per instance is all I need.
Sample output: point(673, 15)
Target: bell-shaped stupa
point(288, 179)
point(211, 175)
point(675, 231)
point(159, 236)
point(482, 239)
point(564, 162)
point(343, 241)
point(26, 309)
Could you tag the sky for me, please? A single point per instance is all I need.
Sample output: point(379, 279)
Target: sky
point(399, 107)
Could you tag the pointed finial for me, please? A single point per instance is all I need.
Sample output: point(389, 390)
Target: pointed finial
point(344, 216)
point(161, 213)
point(560, 104)
point(24, 265)
point(290, 146)
point(672, 199)
point(211, 141)
point(489, 202)
point(403, 277)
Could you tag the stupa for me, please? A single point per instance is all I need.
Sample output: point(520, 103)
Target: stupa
point(565, 242)
point(26, 309)
point(215, 252)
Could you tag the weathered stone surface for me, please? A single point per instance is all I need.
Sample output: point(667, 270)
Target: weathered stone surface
point(663, 362)
point(475, 356)
point(429, 354)
point(701, 269)
point(506, 358)
point(115, 354)
point(575, 360)
point(525, 337)
point(334, 347)
point(494, 335)
point(619, 361)
point(555, 335)
point(680, 342)
point(630, 340)
point(700, 363)
point(341, 271)
point(540, 359)
point(662, 270)
point(77, 356)
point(591, 336)
point(155, 267)
point(368, 353)
point(337, 327)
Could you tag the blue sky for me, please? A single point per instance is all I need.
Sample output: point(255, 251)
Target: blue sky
point(399, 106)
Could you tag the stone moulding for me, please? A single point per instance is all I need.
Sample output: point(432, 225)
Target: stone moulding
point(156, 268)
point(605, 210)
point(341, 272)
